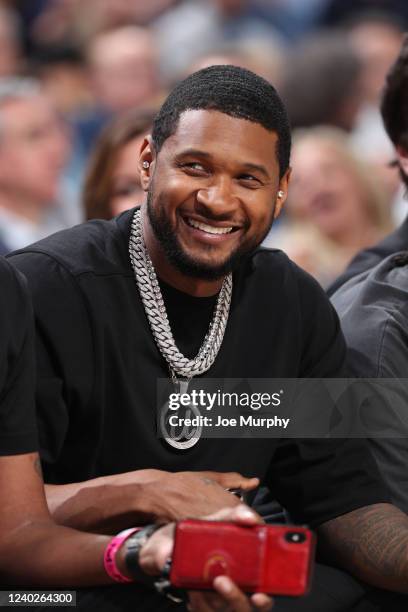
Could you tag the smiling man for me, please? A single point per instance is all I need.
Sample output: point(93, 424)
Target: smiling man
point(179, 286)
point(212, 201)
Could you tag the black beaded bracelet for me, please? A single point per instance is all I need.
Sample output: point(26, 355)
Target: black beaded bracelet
point(133, 546)
point(161, 583)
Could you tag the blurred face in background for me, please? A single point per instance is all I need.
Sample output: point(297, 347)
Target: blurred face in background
point(126, 190)
point(378, 45)
point(326, 189)
point(33, 150)
point(9, 45)
point(124, 68)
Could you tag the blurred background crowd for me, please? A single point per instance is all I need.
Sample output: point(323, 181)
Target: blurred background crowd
point(81, 80)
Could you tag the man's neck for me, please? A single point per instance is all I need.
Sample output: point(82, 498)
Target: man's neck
point(197, 287)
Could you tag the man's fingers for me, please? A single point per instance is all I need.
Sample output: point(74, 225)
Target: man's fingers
point(205, 601)
point(228, 597)
point(234, 598)
point(232, 480)
point(241, 514)
point(249, 484)
point(262, 602)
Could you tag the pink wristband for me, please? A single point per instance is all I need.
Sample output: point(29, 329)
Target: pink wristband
point(109, 557)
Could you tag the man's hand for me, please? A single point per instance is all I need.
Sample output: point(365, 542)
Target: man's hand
point(194, 494)
point(228, 597)
point(226, 594)
point(112, 503)
point(166, 496)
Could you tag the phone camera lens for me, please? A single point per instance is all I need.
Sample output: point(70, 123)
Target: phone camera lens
point(295, 537)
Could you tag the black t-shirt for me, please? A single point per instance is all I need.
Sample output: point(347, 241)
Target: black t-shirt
point(17, 372)
point(98, 365)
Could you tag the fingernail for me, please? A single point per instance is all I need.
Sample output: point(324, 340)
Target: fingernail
point(245, 512)
point(223, 584)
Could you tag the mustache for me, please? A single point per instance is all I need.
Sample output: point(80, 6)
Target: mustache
point(219, 218)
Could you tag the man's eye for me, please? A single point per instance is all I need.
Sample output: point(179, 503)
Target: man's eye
point(249, 179)
point(194, 166)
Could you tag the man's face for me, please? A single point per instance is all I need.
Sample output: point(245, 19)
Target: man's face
point(124, 70)
point(33, 150)
point(212, 191)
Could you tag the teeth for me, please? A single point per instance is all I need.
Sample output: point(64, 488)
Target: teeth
point(209, 228)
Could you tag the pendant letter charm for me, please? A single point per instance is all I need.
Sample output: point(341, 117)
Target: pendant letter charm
point(181, 428)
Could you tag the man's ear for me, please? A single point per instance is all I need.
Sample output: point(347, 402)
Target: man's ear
point(282, 193)
point(147, 160)
point(402, 156)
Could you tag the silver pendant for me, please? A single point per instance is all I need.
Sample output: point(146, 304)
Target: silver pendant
point(184, 436)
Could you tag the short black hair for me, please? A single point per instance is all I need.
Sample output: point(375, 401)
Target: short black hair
point(232, 90)
point(394, 102)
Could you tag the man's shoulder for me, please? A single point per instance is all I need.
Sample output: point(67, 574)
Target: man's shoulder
point(274, 268)
point(373, 309)
point(265, 259)
point(97, 246)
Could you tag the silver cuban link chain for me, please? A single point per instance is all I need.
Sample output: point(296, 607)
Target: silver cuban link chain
point(179, 365)
point(155, 309)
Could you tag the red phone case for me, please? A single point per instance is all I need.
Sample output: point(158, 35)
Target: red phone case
point(275, 559)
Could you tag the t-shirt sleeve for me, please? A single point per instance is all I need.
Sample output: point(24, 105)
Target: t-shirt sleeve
point(319, 479)
point(64, 355)
point(323, 344)
point(18, 433)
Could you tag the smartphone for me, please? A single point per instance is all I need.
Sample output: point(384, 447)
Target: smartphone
point(274, 559)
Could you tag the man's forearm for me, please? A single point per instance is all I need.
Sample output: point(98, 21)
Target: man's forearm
point(111, 503)
point(42, 553)
point(371, 543)
point(104, 505)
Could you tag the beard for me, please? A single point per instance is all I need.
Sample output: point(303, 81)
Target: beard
point(186, 264)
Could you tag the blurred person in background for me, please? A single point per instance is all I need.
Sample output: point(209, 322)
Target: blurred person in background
point(123, 75)
point(210, 24)
point(10, 43)
point(293, 18)
point(124, 68)
point(112, 182)
point(63, 76)
point(394, 105)
point(321, 82)
point(262, 57)
point(336, 12)
point(336, 205)
point(64, 22)
point(33, 151)
point(377, 39)
point(123, 71)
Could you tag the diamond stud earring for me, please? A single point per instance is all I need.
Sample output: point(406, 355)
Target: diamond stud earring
point(146, 164)
point(281, 193)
